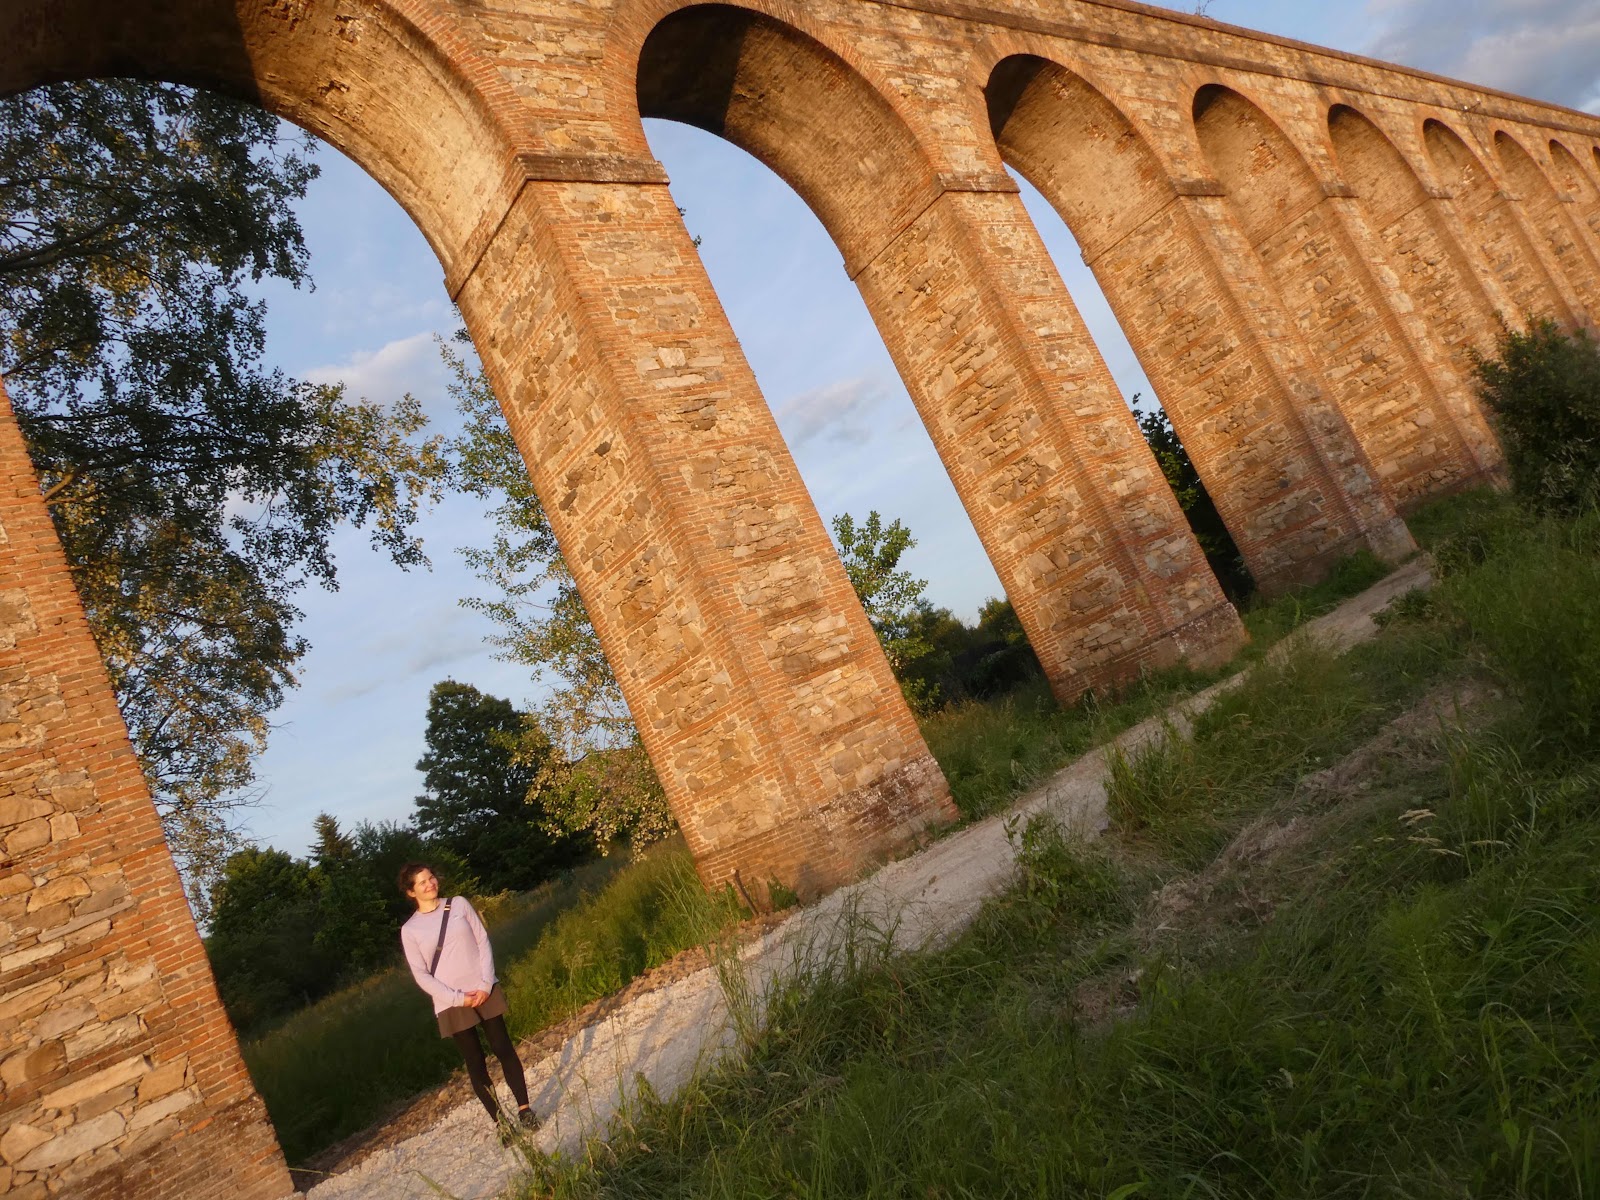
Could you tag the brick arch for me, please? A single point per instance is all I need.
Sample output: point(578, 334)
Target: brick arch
point(1557, 235)
point(636, 22)
point(1413, 418)
point(1288, 479)
point(1269, 180)
point(1578, 186)
point(1417, 243)
point(390, 83)
point(800, 109)
point(1493, 227)
point(1029, 480)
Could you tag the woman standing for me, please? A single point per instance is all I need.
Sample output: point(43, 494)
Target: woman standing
point(448, 951)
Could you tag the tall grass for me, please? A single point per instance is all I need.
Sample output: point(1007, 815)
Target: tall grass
point(994, 751)
point(991, 752)
point(339, 1065)
point(1534, 613)
point(1421, 1017)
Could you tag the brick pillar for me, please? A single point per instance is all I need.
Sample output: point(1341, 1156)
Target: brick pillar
point(122, 1077)
point(1406, 234)
point(1287, 476)
point(1555, 225)
point(1579, 189)
point(1494, 233)
point(1078, 521)
point(1413, 418)
point(760, 690)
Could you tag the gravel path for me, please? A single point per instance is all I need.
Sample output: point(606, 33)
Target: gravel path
point(663, 1036)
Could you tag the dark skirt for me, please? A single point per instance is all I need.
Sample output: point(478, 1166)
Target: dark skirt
point(453, 1020)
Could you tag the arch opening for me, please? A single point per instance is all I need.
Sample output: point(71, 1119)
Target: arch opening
point(1577, 184)
point(1415, 419)
point(808, 128)
point(796, 107)
point(1572, 263)
point(403, 103)
point(1424, 255)
point(1493, 230)
point(1162, 259)
point(134, 921)
point(1121, 166)
point(928, 257)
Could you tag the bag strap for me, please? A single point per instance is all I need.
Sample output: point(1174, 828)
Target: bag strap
point(444, 921)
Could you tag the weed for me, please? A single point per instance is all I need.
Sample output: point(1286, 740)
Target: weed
point(1418, 1019)
point(1062, 879)
point(1530, 607)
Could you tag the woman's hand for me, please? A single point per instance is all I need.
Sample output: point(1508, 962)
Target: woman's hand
point(476, 998)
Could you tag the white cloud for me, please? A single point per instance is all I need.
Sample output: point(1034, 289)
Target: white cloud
point(844, 412)
point(405, 365)
point(1545, 49)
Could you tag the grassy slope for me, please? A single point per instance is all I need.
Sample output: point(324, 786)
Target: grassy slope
point(1417, 1018)
point(337, 1066)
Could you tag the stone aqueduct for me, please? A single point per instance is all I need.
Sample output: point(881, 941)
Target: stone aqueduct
point(1304, 248)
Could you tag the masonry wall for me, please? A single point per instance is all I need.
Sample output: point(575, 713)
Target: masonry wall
point(1303, 271)
point(121, 1075)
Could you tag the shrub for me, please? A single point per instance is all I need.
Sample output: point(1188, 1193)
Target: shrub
point(1531, 609)
point(1543, 388)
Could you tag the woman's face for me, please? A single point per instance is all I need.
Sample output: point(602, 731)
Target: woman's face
point(424, 886)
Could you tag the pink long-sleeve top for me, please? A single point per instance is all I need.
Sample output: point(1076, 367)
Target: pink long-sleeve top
point(465, 965)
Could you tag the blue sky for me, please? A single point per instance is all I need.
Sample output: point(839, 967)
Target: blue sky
point(347, 739)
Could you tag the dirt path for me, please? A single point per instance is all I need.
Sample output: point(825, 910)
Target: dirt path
point(666, 1026)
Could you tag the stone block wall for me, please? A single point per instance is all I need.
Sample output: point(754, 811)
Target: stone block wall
point(119, 1073)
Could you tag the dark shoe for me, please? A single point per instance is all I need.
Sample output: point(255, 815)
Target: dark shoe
point(507, 1132)
point(528, 1120)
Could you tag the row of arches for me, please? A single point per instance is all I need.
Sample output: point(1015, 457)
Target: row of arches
point(1304, 272)
point(1305, 305)
point(1305, 295)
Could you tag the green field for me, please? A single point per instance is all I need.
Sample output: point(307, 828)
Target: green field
point(1387, 986)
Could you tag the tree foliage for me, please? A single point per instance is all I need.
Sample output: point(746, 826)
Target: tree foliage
point(1205, 522)
point(194, 489)
point(1543, 389)
point(598, 781)
point(482, 774)
point(894, 599)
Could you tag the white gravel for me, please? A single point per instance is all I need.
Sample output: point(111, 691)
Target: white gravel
point(663, 1036)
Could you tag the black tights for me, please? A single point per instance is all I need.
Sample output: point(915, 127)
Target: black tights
point(478, 1069)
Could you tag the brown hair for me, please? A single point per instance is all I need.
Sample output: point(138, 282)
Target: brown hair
point(409, 872)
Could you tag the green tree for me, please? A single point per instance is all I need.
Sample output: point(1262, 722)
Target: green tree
point(1205, 522)
point(355, 930)
point(262, 936)
point(194, 489)
point(598, 781)
point(333, 846)
point(480, 771)
point(1543, 389)
point(893, 598)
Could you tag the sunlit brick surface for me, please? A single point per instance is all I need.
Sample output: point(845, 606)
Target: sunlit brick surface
point(1304, 249)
